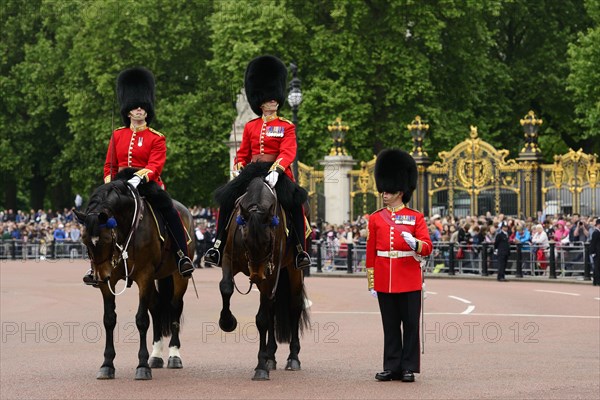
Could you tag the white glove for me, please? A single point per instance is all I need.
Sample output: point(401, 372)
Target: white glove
point(135, 181)
point(235, 173)
point(410, 240)
point(373, 293)
point(271, 179)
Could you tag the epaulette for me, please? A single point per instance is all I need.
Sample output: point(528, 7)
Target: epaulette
point(254, 119)
point(155, 132)
point(286, 120)
point(121, 127)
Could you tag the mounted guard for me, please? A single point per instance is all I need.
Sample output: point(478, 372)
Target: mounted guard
point(138, 153)
point(268, 149)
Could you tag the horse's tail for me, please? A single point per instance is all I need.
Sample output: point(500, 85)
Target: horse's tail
point(287, 307)
point(166, 310)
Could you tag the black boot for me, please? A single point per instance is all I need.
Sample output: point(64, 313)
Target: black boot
point(212, 257)
point(302, 258)
point(90, 279)
point(184, 264)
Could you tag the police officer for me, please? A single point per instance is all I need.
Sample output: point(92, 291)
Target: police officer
point(502, 250)
point(268, 142)
point(144, 150)
point(397, 236)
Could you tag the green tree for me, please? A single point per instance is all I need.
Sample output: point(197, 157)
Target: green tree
point(584, 79)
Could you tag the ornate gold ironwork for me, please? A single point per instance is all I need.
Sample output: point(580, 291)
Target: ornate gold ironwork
point(362, 184)
point(531, 125)
point(309, 178)
point(338, 133)
point(418, 130)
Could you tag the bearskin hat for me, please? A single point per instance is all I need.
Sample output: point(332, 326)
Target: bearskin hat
point(135, 88)
point(265, 80)
point(396, 171)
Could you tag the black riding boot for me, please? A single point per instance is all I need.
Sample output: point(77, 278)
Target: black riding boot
point(213, 256)
point(184, 264)
point(302, 257)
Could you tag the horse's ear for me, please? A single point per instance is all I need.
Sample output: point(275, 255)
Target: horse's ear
point(80, 216)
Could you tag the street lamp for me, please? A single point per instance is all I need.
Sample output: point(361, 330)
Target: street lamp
point(294, 100)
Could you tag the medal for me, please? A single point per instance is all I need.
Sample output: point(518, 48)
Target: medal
point(140, 141)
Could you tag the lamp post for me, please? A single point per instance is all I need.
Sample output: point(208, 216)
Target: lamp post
point(294, 100)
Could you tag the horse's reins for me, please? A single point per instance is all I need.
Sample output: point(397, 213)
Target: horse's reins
point(124, 254)
point(269, 255)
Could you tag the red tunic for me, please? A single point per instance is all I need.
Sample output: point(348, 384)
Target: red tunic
point(396, 275)
point(145, 149)
point(275, 137)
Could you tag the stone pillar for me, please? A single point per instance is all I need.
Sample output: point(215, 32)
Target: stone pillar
point(244, 114)
point(336, 182)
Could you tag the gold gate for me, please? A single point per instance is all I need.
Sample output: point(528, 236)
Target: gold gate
point(364, 198)
point(472, 179)
point(570, 185)
point(312, 180)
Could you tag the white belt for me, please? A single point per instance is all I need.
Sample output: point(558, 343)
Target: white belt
point(396, 254)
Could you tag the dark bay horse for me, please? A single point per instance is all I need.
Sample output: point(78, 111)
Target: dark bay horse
point(257, 246)
point(124, 243)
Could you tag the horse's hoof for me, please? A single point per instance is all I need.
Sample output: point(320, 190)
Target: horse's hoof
point(174, 363)
point(261, 375)
point(106, 373)
point(292, 365)
point(143, 374)
point(228, 324)
point(271, 365)
point(156, 362)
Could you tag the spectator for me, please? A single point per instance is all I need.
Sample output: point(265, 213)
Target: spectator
point(59, 233)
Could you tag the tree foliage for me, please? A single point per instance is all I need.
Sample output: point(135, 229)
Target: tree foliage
point(374, 63)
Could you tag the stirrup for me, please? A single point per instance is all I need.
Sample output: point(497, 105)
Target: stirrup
point(212, 257)
point(303, 260)
point(185, 266)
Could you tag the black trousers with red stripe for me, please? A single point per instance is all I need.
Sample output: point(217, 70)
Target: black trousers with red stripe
point(400, 314)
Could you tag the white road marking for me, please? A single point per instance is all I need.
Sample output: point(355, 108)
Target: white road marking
point(460, 299)
point(552, 291)
point(468, 310)
point(428, 292)
point(596, 298)
point(474, 314)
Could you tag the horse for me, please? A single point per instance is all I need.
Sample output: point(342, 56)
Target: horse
point(257, 246)
point(123, 239)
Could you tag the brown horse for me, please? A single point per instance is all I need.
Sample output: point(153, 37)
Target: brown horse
point(257, 246)
point(124, 243)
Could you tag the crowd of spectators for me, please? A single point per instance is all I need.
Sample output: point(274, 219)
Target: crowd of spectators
point(566, 232)
point(50, 226)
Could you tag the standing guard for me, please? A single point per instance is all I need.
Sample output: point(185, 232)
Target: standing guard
point(397, 237)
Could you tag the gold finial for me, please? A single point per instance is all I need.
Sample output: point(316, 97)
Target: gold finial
point(473, 132)
point(416, 124)
point(530, 119)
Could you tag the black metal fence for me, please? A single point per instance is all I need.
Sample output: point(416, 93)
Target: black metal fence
point(41, 250)
point(554, 261)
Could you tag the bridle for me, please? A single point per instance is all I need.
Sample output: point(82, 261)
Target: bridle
point(119, 252)
point(268, 257)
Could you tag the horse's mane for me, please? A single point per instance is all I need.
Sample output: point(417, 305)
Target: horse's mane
point(105, 199)
point(257, 202)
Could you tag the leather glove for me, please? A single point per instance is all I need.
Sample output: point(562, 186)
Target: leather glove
point(373, 293)
point(135, 181)
point(410, 240)
point(272, 178)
